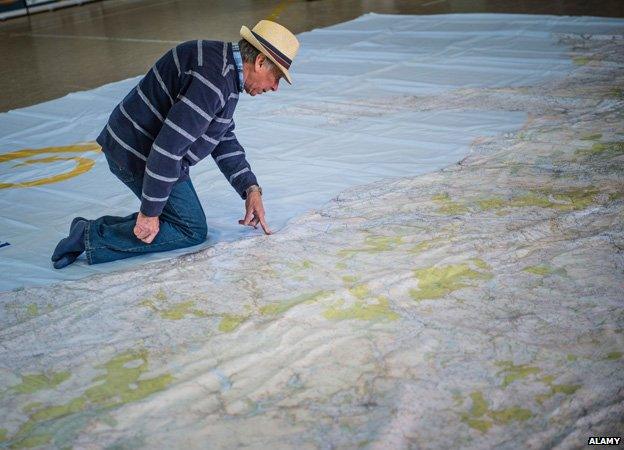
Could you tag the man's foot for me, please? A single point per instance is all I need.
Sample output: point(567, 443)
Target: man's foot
point(75, 221)
point(71, 247)
point(65, 260)
point(56, 256)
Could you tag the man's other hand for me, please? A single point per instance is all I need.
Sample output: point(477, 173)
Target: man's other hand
point(146, 228)
point(254, 212)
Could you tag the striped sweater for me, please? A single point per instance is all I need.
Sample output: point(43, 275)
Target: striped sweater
point(179, 113)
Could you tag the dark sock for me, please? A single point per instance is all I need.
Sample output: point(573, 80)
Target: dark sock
point(75, 221)
point(55, 255)
point(65, 260)
point(70, 248)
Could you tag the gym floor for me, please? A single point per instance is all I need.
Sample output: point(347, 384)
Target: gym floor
point(50, 54)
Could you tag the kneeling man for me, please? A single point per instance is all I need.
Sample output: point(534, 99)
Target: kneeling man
point(179, 113)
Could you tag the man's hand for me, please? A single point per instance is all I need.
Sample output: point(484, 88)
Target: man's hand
point(254, 212)
point(146, 228)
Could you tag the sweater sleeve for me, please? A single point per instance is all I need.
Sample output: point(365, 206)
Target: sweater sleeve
point(230, 157)
point(188, 117)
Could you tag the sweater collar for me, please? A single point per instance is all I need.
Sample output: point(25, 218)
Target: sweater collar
point(239, 65)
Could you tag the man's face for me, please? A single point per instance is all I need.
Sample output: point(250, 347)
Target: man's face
point(262, 77)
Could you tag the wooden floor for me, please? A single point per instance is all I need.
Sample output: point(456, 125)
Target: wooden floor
point(48, 55)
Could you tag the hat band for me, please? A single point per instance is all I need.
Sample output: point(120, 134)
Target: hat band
point(275, 53)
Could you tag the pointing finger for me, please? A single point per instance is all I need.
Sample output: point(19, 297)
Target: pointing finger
point(265, 227)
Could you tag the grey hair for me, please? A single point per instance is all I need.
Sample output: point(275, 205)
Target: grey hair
point(249, 53)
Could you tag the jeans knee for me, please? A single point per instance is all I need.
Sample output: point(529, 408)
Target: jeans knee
point(200, 234)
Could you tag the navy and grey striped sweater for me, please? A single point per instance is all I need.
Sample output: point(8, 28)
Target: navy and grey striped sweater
point(179, 113)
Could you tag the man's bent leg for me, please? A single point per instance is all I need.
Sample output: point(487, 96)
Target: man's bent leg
point(182, 224)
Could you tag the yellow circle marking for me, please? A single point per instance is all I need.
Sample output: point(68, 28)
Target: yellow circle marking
point(82, 164)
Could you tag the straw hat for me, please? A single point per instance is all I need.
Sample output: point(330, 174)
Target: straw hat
point(274, 41)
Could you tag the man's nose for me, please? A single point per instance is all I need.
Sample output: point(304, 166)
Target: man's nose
point(275, 86)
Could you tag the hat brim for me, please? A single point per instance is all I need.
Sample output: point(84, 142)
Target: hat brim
point(246, 34)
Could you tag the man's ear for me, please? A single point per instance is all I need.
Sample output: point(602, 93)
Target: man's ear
point(260, 59)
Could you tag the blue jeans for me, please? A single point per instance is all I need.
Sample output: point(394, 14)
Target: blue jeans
point(182, 224)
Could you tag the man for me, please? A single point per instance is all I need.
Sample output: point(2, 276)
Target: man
point(179, 113)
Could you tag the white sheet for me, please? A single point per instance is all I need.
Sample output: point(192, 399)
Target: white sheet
point(347, 120)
